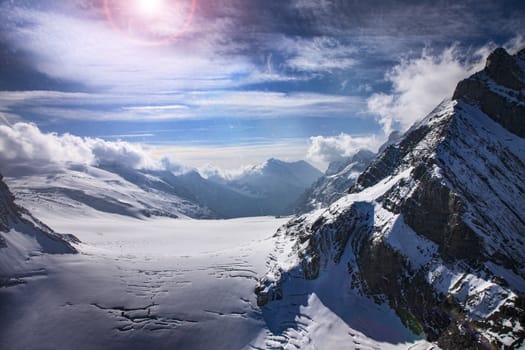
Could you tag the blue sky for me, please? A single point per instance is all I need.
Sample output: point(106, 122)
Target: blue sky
point(233, 82)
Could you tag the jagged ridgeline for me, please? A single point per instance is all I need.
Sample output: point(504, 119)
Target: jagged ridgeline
point(435, 226)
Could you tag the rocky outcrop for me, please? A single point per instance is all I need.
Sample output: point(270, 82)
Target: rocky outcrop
point(390, 159)
point(499, 90)
point(7, 208)
point(13, 216)
point(435, 211)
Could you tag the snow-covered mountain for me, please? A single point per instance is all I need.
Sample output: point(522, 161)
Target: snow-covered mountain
point(22, 237)
point(433, 229)
point(335, 183)
point(275, 185)
point(267, 189)
point(339, 177)
point(87, 190)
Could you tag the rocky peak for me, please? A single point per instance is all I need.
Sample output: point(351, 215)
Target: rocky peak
point(504, 70)
point(498, 90)
point(338, 178)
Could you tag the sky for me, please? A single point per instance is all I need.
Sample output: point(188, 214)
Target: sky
point(230, 83)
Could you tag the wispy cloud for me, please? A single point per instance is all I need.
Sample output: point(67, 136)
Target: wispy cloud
point(228, 159)
point(318, 54)
point(419, 84)
point(183, 105)
point(89, 51)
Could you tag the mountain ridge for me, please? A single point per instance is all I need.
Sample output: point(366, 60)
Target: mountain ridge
point(434, 226)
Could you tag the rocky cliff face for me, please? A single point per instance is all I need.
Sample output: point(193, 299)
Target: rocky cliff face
point(498, 90)
point(435, 226)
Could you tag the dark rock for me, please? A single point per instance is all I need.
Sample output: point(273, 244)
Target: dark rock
point(386, 272)
point(502, 69)
point(435, 211)
point(391, 158)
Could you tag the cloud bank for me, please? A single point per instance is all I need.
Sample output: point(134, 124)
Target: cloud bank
point(335, 148)
point(23, 147)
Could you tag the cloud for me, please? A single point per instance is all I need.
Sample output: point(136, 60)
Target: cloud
point(23, 147)
point(120, 153)
point(515, 44)
point(226, 160)
point(318, 54)
point(419, 84)
point(92, 53)
point(26, 150)
point(334, 148)
point(176, 105)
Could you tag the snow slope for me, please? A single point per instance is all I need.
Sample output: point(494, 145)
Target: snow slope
point(153, 283)
point(22, 239)
point(78, 189)
point(158, 283)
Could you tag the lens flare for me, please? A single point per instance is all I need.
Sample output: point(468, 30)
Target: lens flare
point(150, 22)
point(149, 8)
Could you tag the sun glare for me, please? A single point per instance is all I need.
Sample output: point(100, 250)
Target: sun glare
point(149, 8)
point(150, 22)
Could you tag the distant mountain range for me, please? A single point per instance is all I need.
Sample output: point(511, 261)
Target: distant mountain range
point(434, 227)
point(267, 189)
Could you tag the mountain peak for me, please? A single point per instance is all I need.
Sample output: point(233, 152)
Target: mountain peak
point(498, 90)
point(504, 69)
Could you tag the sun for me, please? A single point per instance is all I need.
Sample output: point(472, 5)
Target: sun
point(149, 8)
point(150, 22)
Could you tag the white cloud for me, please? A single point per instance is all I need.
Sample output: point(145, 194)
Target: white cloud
point(418, 85)
point(23, 145)
point(24, 149)
point(122, 153)
point(319, 54)
point(329, 149)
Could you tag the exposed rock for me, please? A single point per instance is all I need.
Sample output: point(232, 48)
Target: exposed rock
point(384, 272)
point(504, 70)
point(435, 211)
point(498, 91)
